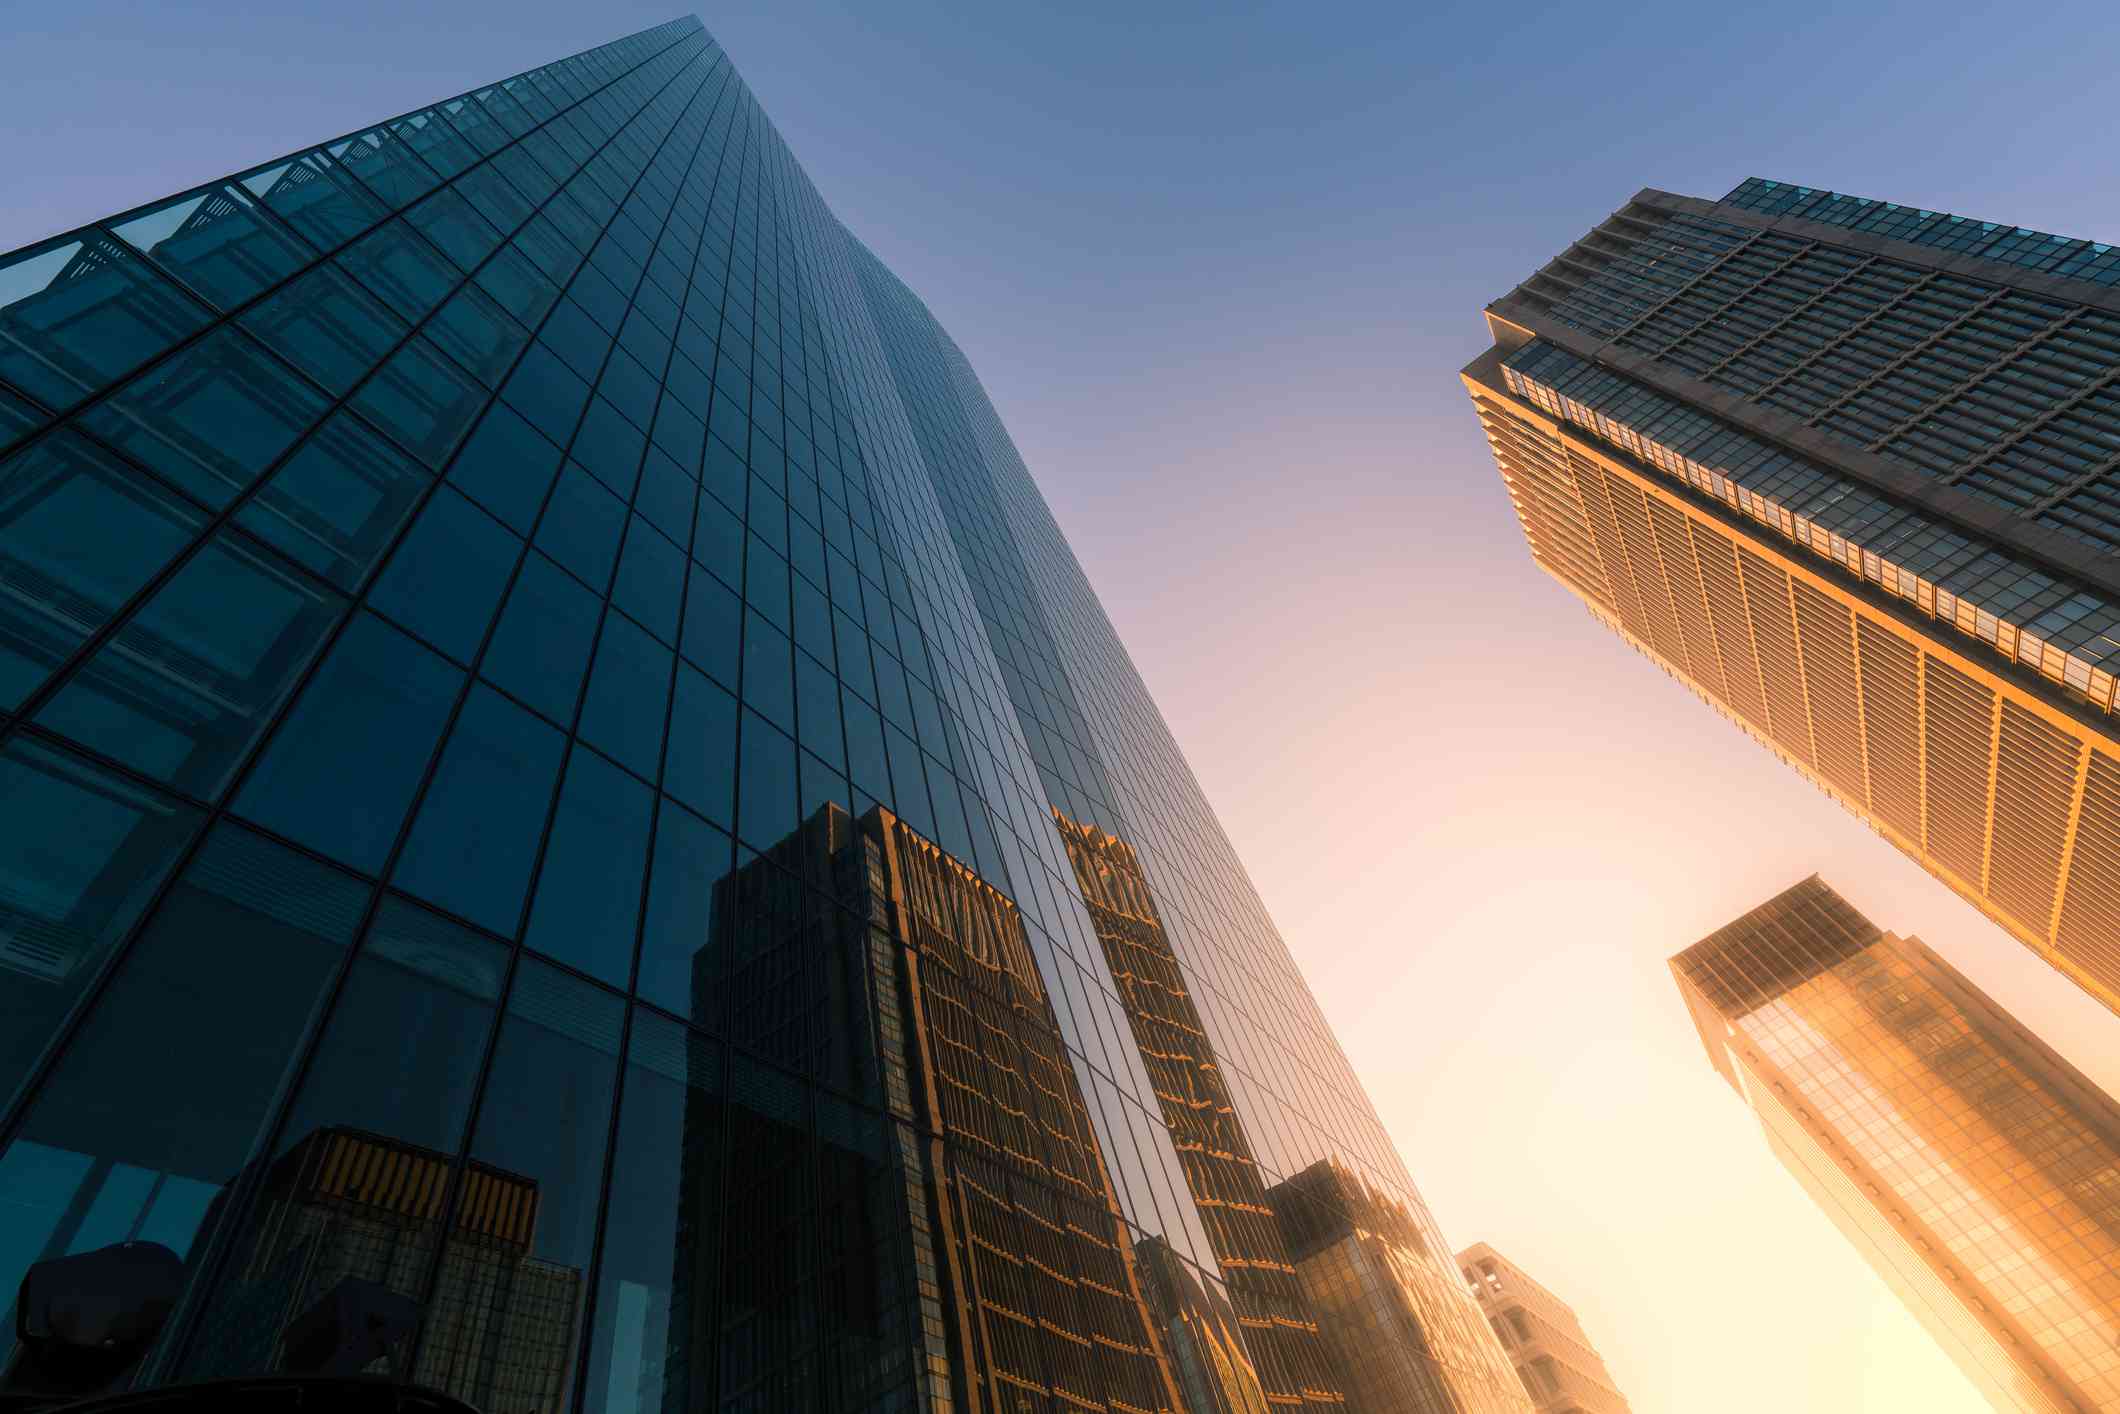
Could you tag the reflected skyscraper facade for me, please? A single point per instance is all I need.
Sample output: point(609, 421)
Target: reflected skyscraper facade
point(528, 659)
point(1972, 1167)
point(1848, 470)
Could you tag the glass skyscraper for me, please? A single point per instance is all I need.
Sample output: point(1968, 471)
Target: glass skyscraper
point(571, 830)
point(1851, 472)
point(1972, 1167)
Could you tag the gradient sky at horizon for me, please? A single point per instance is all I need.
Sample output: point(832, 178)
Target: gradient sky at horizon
point(1218, 269)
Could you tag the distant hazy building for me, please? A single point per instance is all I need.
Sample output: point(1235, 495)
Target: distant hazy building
point(1976, 1170)
point(1851, 471)
point(1560, 1369)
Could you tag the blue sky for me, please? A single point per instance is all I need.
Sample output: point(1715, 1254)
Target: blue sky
point(1218, 266)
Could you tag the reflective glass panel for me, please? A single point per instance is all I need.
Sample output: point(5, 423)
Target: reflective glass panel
point(185, 686)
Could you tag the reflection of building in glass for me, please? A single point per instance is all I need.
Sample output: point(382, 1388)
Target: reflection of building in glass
point(1200, 1332)
point(341, 1203)
point(1427, 1348)
point(918, 983)
point(1560, 1369)
point(1404, 1340)
point(1976, 1170)
point(1845, 469)
point(431, 560)
point(1220, 1170)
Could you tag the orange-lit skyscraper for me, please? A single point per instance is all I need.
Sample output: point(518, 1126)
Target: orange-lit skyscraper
point(1560, 1369)
point(1976, 1170)
point(1851, 472)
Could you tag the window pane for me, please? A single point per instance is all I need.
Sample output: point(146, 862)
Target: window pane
point(521, 290)
point(581, 527)
point(177, 1067)
point(713, 627)
point(78, 314)
point(18, 418)
point(609, 448)
point(475, 840)
point(700, 765)
point(540, 649)
point(472, 329)
point(665, 1193)
point(542, 1128)
point(462, 234)
point(334, 505)
point(506, 466)
point(400, 269)
point(766, 796)
point(356, 1171)
point(80, 533)
point(219, 243)
point(327, 326)
point(385, 165)
point(182, 690)
point(588, 892)
point(629, 692)
point(691, 862)
point(81, 852)
point(547, 392)
point(341, 770)
point(651, 580)
point(435, 141)
point(211, 418)
point(769, 673)
point(317, 197)
point(446, 579)
point(422, 400)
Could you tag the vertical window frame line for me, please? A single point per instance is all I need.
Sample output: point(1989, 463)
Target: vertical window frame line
point(453, 1184)
point(592, 1272)
point(214, 521)
point(241, 1193)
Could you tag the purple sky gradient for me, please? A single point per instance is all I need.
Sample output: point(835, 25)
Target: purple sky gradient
point(1218, 265)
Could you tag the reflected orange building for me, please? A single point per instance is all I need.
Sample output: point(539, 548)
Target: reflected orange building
point(345, 1204)
point(1340, 1293)
point(901, 973)
point(1221, 1171)
point(1976, 1170)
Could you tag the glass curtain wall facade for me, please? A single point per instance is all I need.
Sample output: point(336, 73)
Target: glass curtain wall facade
point(540, 720)
point(1972, 1167)
point(1850, 471)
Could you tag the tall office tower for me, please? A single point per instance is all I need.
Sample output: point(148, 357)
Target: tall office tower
point(1972, 1167)
point(1560, 1369)
point(1851, 472)
point(521, 641)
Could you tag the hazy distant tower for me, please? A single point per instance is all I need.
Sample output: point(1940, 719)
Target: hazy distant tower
point(1851, 472)
point(1554, 1358)
point(1976, 1170)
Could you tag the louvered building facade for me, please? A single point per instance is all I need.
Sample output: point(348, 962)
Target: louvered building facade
point(1851, 472)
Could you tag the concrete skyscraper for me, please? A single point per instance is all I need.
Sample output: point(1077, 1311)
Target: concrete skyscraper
point(1851, 472)
point(1560, 1369)
point(1972, 1167)
point(559, 792)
